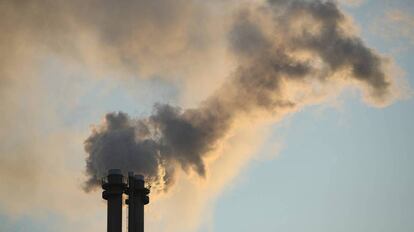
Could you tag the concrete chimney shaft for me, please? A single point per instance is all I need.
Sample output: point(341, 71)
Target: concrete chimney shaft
point(114, 187)
point(137, 198)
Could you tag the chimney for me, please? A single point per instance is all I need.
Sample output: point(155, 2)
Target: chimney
point(137, 198)
point(114, 187)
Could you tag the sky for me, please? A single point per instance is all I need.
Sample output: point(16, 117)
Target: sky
point(340, 161)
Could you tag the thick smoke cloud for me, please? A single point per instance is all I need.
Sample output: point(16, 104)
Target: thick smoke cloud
point(336, 49)
point(283, 50)
point(154, 146)
point(145, 38)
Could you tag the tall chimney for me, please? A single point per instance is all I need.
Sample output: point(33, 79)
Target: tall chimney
point(114, 187)
point(137, 198)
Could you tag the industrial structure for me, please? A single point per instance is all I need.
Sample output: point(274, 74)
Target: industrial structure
point(115, 185)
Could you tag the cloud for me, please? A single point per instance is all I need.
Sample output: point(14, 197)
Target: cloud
point(172, 138)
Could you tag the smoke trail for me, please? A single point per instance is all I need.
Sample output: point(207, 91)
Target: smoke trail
point(286, 52)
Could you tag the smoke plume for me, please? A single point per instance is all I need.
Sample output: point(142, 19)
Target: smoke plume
point(288, 53)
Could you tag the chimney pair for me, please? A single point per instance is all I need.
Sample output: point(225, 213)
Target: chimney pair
point(114, 186)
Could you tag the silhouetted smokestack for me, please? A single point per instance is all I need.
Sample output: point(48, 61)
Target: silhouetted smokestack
point(114, 187)
point(137, 198)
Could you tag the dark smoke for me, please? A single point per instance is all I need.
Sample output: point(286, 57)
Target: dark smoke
point(156, 145)
point(266, 43)
point(336, 49)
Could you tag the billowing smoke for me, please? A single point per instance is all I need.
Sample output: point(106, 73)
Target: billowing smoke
point(289, 53)
point(155, 146)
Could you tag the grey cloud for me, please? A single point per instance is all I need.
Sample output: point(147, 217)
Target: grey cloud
point(171, 137)
point(332, 44)
point(265, 45)
point(138, 37)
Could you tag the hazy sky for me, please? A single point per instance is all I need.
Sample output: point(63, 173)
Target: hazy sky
point(341, 161)
point(339, 168)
